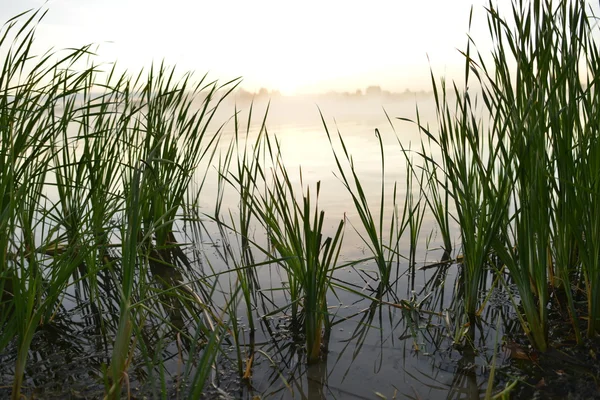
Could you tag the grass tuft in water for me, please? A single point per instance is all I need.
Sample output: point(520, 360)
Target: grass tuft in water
point(296, 231)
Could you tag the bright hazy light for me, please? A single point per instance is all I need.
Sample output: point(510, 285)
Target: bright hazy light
point(294, 47)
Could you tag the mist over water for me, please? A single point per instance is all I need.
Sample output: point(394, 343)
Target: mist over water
point(298, 123)
point(384, 358)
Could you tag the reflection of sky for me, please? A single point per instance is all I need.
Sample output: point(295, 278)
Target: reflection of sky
point(307, 46)
point(384, 359)
point(304, 144)
point(387, 359)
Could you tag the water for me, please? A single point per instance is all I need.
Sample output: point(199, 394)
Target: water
point(375, 350)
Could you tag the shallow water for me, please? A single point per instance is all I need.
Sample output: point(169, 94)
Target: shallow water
point(379, 351)
point(375, 350)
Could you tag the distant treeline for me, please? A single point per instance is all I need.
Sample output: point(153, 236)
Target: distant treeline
point(369, 92)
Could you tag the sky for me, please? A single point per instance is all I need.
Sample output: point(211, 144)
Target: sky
point(294, 47)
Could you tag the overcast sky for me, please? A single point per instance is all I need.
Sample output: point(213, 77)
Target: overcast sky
point(295, 47)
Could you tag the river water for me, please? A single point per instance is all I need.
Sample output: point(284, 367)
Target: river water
point(374, 351)
point(401, 349)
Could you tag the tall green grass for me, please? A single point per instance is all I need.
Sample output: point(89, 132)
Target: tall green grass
point(380, 236)
point(435, 191)
point(539, 106)
point(296, 230)
point(97, 172)
point(93, 165)
point(520, 179)
point(238, 170)
point(30, 91)
point(469, 161)
point(174, 138)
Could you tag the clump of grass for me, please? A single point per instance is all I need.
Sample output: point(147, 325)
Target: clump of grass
point(175, 138)
point(295, 228)
point(30, 90)
point(381, 238)
point(163, 157)
point(477, 188)
point(521, 181)
point(90, 161)
point(546, 150)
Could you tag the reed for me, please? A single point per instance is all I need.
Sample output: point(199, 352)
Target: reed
point(295, 228)
point(478, 190)
point(97, 170)
point(31, 89)
point(122, 350)
point(380, 236)
point(90, 161)
point(547, 148)
point(435, 193)
point(519, 180)
point(238, 171)
point(414, 211)
point(242, 177)
point(580, 165)
point(174, 139)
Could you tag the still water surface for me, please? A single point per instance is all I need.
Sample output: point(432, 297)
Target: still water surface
point(375, 351)
point(380, 352)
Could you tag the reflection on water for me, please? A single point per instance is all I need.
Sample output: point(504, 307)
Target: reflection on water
point(399, 346)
